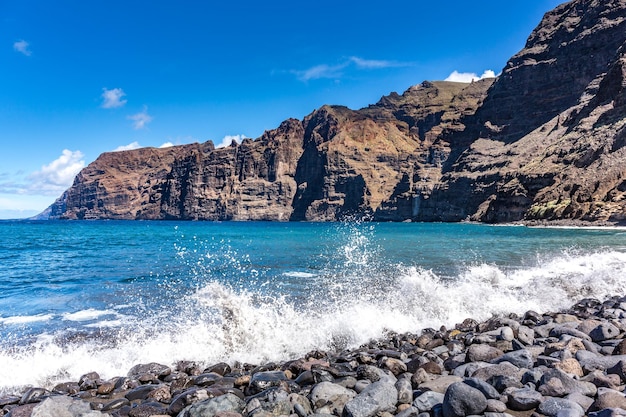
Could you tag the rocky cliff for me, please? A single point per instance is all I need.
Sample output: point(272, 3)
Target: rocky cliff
point(543, 141)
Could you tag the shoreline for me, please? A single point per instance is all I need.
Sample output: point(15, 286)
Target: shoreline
point(573, 360)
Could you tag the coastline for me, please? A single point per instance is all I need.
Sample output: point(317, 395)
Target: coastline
point(572, 360)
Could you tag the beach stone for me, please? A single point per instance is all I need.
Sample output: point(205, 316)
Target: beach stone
point(62, 406)
point(405, 391)
point(148, 409)
point(496, 406)
point(206, 379)
point(33, 395)
point(603, 332)
point(552, 388)
point(526, 335)
point(520, 358)
point(501, 369)
point(156, 369)
point(488, 390)
point(582, 400)
point(560, 407)
point(524, 399)
point(410, 412)
point(261, 381)
point(482, 353)
point(468, 369)
point(620, 348)
point(592, 361)
point(106, 388)
point(141, 392)
point(600, 379)
point(361, 385)
point(209, 408)
point(609, 399)
point(570, 366)
point(25, 410)
point(608, 412)
point(331, 397)
point(221, 368)
point(271, 402)
point(432, 368)
point(428, 400)
point(396, 366)
point(619, 369)
point(570, 385)
point(115, 404)
point(187, 398)
point(462, 400)
point(440, 384)
point(565, 330)
point(379, 397)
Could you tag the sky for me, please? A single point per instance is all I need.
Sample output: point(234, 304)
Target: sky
point(79, 78)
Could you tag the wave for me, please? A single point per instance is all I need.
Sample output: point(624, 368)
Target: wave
point(13, 320)
point(344, 309)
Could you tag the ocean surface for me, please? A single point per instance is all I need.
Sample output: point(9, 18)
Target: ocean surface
point(103, 296)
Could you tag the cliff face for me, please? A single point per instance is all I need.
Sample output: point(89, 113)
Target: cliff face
point(543, 141)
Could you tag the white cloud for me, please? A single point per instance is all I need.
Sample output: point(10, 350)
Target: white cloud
point(57, 176)
point(337, 71)
point(228, 139)
point(112, 98)
point(21, 46)
point(167, 144)
point(468, 77)
point(129, 147)
point(141, 119)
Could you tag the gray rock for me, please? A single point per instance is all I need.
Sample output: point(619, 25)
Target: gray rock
point(560, 407)
point(440, 384)
point(501, 369)
point(482, 353)
point(559, 331)
point(592, 361)
point(62, 406)
point(361, 385)
point(462, 400)
point(603, 332)
point(609, 399)
point(405, 391)
point(526, 335)
point(582, 400)
point(331, 397)
point(33, 395)
point(148, 409)
point(379, 397)
point(428, 400)
point(608, 412)
point(409, 412)
point(496, 406)
point(155, 369)
point(520, 358)
point(570, 385)
point(261, 381)
point(208, 408)
point(488, 390)
point(524, 399)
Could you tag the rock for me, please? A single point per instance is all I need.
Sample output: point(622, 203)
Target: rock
point(557, 407)
point(526, 335)
point(570, 366)
point(33, 395)
point(141, 392)
point(396, 366)
point(524, 399)
point(462, 400)
point(379, 397)
point(501, 369)
point(331, 397)
point(496, 406)
point(115, 404)
point(593, 361)
point(61, 406)
point(405, 391)
point(553, 387)
point(154, 369)
point(569, 384)
point(427, 401)
point(620, 349)
point(263, 380)
point(483, 353)
point(609, 399)
point(520, 358)
point(603, 332)
point(440, 384)
point(148, 409)
point(187, 398)
point(211, 407)
point(582, 400)
point(488, 390)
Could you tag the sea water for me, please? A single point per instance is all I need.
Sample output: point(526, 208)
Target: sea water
point(103, 296)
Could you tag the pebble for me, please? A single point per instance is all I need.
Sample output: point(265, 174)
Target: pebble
point(564, 364)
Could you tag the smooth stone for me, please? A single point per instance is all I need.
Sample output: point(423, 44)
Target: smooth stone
point(526, 335)
point(462, 400)
point(209, 408)
point(396, 366)
point(221, 368)
point(565, 330)
point(570, 366)
point(149, 409)
point(33, 395)
point(206, 379)
point(496, 406)
point(609, 412)
point(153, 368)
point(187, 398)
point(582, 400)
point(609, 400)
point(468, 369)
point(440, 384)
point(520, 358)
point(557, 407)
point(569, 384)
point(379, 397)
point(501, 369)
point(62, 406)
point(261, 381)
point(141, 392)
point(115, 404)
point(593, 361)
point(482, 353)
point(25, 410)
point(332, 396)
point(553, 388)
point(410, 412)
point(603, 332)
point(488, 390)
point(405, 391)
point(428, 400)
point(524, 399)
point(361, 385)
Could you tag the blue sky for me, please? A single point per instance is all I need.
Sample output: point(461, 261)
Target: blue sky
point(78, 78)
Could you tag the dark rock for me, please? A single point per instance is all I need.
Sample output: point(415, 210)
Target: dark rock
point(263, 380)
point(141, 392)
point(488, 390)
point(524, 399)
point(462, 400)
point(483, 353)
point(147, 410)
point(557, 407)
point(213, 406)
point(603, 332)
point(520, 358)
point(33, 395)
point(427, 401)
point(115, 404)
point(405, 391)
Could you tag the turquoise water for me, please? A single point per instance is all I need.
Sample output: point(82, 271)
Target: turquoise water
point(83, 296)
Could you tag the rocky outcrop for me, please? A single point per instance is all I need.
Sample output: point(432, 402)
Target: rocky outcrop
point(544, 141)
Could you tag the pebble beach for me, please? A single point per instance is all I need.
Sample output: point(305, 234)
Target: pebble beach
point(557, 364)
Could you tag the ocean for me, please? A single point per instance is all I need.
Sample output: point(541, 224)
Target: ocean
point(103, 296)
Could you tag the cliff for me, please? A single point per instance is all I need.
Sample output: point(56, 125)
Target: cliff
point(543, 141)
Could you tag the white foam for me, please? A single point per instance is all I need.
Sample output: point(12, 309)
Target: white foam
point(87, 315)
point(299, 274)
point(219, 323)
point(25, 319)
